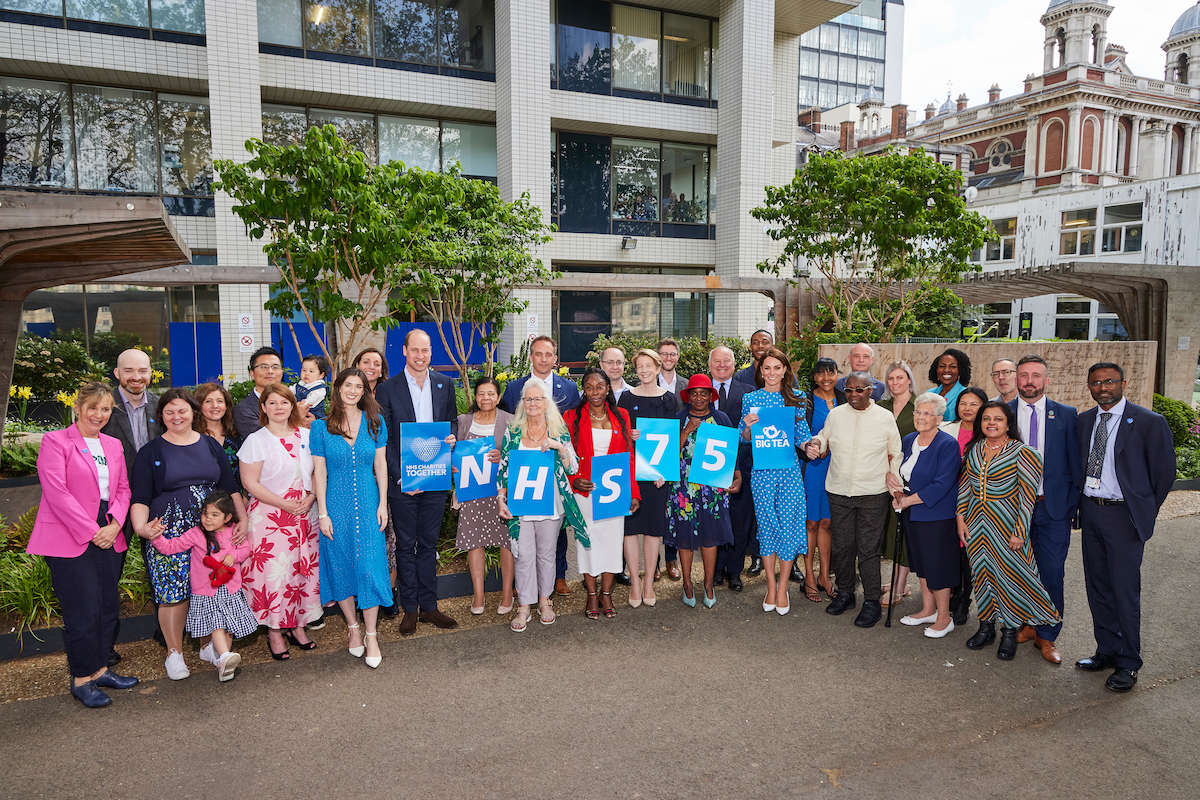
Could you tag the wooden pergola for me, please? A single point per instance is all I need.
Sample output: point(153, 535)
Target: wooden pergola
point(54, 239)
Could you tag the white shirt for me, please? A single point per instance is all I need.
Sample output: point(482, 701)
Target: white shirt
point(96, 451)
point(422, 397)
point(669, 385)
point(910, 463)
point(1110, 487)
point(716, 395)
point(620, 390)
point(1024, 415)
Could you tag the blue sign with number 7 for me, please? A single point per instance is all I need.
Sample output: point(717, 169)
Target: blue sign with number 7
point(715, 456)
point(656, 454)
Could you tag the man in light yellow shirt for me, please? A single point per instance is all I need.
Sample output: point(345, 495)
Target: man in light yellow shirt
point(865, 452)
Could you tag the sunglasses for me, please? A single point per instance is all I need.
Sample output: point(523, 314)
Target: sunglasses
point(858, 389)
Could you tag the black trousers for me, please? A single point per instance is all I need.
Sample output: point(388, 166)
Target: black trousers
point(417, 519)
point(86, 586)
point(1112, 572)
point(731, 558)
point(856, 528)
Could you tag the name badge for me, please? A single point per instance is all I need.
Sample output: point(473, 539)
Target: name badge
point(1093, 484)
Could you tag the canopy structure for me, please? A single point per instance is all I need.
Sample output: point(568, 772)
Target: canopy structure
point(54, 239)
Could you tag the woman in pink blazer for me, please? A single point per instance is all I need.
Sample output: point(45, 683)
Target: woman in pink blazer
point(85, 499)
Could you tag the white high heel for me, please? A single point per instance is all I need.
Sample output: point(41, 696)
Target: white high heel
point(357, 652)
point(373, 661)
point(768, 606)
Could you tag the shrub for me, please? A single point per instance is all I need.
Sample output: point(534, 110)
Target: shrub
point(693, 351)
point(25, 590)
point(1180, 416)
point(1187, 463)
point(49, 367)
point(19, 459)
point(104, 347)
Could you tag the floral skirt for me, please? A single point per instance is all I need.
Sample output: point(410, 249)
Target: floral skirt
point(281, 576)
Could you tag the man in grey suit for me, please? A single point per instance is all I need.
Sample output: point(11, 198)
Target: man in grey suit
point(266, 367)
point(668, 353)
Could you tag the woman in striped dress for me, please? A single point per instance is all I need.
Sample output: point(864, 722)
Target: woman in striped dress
point(996, 493)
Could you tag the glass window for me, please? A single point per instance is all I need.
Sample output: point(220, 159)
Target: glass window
point(1079, 219)
point(828, 70)
point(186, 145)
point(635, 166)
point(636, 33)
point(338, 26)
point(283, 125)
point(411, 141)
point(1111, 330)
point(114, 134)
point(49, 7)
point(178, 15)
point(357, 129)
point(583, 165)
point(406, 30)
point(870, 73)
point(810, 38)
point(848, 70)
point(809, 61)
point(808, 93)
point(279, 22)
point(712, 186)
point(848, 43)
point(846, 93)
point(685, 55)
point(1072, 329)
point(474, 146)
point(684, 183)
point(35, 134)
point(584, 46)
point(468, 34)
point(1074, 305)
point(828, 95)
point(116, 12)
point(1133, 239)
point(829, 38)
point(714, 72)
point(553, 169)
point(997, 308)
point(1118, 215)
point(871, 45)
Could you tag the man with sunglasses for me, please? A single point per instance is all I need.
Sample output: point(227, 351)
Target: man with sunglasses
point(266, 367)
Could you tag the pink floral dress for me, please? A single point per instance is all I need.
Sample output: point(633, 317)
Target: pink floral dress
point(280, 576)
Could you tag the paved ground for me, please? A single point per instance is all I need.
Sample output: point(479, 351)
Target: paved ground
point(661, 702)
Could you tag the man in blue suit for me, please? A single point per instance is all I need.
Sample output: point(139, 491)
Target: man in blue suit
point(416, 394)
point(1051, 429)
point(1129, 467)
point(727, 397)
point(543, 357)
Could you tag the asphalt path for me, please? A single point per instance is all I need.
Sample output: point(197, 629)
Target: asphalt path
point(660, 702)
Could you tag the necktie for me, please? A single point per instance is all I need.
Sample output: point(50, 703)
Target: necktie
point(724, 396)
point(1033, 427)
point(1099, 445)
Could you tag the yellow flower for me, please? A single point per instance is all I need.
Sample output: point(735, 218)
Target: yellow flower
point(746, 365)
point(24, 392)
point(564, 370)
point(156, 375)
point(503, 376)
point(67, 400)
point(12, 391)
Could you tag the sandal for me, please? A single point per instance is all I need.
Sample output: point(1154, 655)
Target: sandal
point(828, 589)
point(609, 612)
point(520, 621)
point(590, 613)
point(811, 593)
point(887, 599)
point(547, 620)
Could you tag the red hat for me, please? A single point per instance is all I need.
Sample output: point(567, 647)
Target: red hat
point(696, 382)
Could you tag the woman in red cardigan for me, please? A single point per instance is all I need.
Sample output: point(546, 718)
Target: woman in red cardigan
point(607, 432)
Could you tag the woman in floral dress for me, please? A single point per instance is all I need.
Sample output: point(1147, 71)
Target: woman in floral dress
point(281, 576)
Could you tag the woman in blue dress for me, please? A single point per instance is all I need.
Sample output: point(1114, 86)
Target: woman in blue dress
point(350, 482)
point(778, 493)
point(825, 397)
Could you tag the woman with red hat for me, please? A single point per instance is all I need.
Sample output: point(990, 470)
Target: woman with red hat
point(698, 516)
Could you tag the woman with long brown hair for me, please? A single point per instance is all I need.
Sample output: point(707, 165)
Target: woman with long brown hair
point(374, 365)
point(216, 420)
point(350, 482)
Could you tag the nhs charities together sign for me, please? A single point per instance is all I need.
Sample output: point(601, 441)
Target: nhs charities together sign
point(424, 457)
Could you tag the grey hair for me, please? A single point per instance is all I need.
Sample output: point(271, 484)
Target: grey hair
point(862, 376)
point(932, 399)
point(998, 360)
point(887, 373)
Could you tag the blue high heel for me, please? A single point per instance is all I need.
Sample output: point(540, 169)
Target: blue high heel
point(709, 603)
point(690, 602)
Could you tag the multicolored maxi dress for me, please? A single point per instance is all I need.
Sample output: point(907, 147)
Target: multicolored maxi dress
point(996, 500)
point(697, 515)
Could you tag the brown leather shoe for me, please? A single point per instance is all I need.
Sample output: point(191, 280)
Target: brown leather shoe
point(1025, 634)
point(561, 587)
point(408, 623)
point(673, 571)
point(1049, 651)
point(438, 619)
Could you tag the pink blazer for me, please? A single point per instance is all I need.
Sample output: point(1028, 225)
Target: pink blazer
point(66, 519)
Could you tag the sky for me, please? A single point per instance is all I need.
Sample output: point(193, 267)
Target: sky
point(975, 43)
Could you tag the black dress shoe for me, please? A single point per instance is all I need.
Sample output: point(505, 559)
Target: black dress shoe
point(408, 624)
point(622, 579)
point(797, 576)
point(90, 695)
point(438, 619)
point(756, 566)
point(1008, 644)
point(961, 612)
point(870, 614)
point(1096, 663)
point(983, 637)
point(1122, 680)
point(717, 581)
point(391, 611)
point(841, 602)
point(735, 583)
point(114, 658)
point(111, 680)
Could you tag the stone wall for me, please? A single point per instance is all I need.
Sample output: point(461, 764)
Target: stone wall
point(1068, 362)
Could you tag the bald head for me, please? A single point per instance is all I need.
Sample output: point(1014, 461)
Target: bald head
point(133, 373)
point(862, 357)
point(721, 363)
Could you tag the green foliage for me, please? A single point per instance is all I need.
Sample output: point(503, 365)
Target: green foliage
point(104, 347)
point(1180, 416)
point(50, 366)
point(16, 536)
point(134, 584)
point(240, 390)
point(1187, 463)
point(693, 351)
point(26, 591)
point(885, 231)
point(19, 459)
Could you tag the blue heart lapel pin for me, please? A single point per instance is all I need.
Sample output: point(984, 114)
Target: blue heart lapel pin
point(439, 386)
point(158, 463)
point(85, 451)
point(1129, 420)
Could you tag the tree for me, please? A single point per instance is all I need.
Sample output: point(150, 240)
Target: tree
point(885, 231)
point(474, 259)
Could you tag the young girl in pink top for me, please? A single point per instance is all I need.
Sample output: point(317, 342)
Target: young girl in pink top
point(218, 607)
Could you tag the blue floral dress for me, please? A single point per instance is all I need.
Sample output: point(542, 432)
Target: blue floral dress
point(697, 515)
point(779, 500)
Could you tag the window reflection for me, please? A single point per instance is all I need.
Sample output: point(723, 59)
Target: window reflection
point(178, 15)
point(186, 145)
point(635, 179)
point(584, 46)
point(686, 49)
point(279, 22)
point(406, 30)
point(358, 130)
point(283, 125)
point(411, 141)
point(684, 183)
point(48, 7)
point(116, 12)
point(474, 146)
point(467, 28)
point(338, 26)
point(635, 48)
point(35, 134)
point(114, 134)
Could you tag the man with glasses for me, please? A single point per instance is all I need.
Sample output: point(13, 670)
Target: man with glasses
point(266, 367)
point(612, 361)
point(1004, 378)
point(668, 353)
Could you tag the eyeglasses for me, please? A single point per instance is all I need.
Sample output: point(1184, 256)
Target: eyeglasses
point(533, 401)
point(1003, 373)
point(858, 389)
point(1107, 383)
point(270, 367)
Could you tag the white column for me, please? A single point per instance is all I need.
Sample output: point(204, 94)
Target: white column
point(1107, 144)
point(1073, 138)
point(1135, 140)
point(1048, 60)
point(1189, 136)
point(1031, 148)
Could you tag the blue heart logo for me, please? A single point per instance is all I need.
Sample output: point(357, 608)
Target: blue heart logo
point(1129, 420)
point(158, 463)
point(152, 419)
point(439, 386)
point(85, 451)
point(635, 408)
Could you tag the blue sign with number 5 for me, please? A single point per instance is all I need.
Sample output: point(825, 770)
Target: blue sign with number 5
point(715, 456)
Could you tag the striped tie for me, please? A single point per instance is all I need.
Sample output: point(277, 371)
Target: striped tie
point(1099, 445)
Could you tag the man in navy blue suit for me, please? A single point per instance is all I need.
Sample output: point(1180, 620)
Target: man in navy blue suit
point(543, 357)
point(1051, 429)
point(416, 394)
point(727, 397)
point(1129, 467)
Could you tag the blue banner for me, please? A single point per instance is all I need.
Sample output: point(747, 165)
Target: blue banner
point(476, 476)
point(656, 452)
point(425, 457)
point(772, 436)
point(531, 483)
point(612, 496)
point(715, 456)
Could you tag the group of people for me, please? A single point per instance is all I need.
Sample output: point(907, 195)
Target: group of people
point(261, 514)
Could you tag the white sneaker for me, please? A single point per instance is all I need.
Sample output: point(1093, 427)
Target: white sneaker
point(207, 654)
point(176, 669)
point(226, 665)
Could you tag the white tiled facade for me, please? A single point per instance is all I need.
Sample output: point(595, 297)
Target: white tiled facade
point(752, 127)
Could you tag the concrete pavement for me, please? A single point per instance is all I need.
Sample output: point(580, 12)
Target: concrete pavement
point(660, 702)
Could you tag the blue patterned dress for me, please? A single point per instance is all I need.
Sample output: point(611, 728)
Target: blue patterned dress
point(354, 562)
point(779, 493)
point(697, 515)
